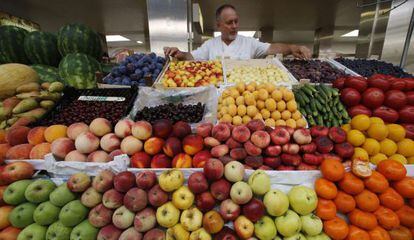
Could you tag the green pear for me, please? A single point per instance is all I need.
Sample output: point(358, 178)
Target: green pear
point(84, 231)
point(62, 195)
point(297, 236)
point(22, 215)
point(46, 213)
point(265, 228)
point(311, 224)
point(39, 190)
point(259, 181)
point(14, 193)
point(33, 232)
point(321, 236)
point(276, 202)
point(58, 231)
point(302, 199)
point(73, 213)
point(289, 224)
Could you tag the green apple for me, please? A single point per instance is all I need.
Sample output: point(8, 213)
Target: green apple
point(39, 190)
point(167, 215)
point(265, 228)
point(22, 215)
point(14, 193)
point(321, 236)
point(297, 236)
point(171, 180)
point(73, 213)
point(259, 181)
point(46, 213)
point(288, 224)
point(276, 202)
point(62, 195)
point(58, 231)
point(311, 224)
point(84, 231)
point(33, 232)
point(303, 199)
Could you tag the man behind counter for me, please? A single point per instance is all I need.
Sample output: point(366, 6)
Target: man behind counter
point(234, 46)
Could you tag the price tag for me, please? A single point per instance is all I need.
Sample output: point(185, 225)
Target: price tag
point(101, 98)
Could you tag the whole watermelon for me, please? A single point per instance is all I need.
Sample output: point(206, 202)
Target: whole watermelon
point(78, 38)
point(12, 45)
point(47, 73)
point(41, 48)
point(78, 70)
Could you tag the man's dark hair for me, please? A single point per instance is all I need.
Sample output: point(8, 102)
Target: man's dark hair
point(221, 8)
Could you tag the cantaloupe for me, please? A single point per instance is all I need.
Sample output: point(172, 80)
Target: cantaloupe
point(12, 75)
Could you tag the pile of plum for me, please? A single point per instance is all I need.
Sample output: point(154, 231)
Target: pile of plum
point(369, 67)
point(315, 70)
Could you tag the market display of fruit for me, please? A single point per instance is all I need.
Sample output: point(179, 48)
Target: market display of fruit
point(246, 74)
point(179, 112)
point(135, 68)
point(192, 74)
point(386, 97)
point(320, 105)
point(316, 71)
point(369, 67)
point(274, 105)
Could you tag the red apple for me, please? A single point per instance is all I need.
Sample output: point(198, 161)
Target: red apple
point(254, 209)
point(124, 181)
point(146, 179)
point(220, 189)
point(197, 183)
point(205, 201)
point(213, 169)
point(229, 210)
point(16, 171)
point(157, 196)
point(140, 160)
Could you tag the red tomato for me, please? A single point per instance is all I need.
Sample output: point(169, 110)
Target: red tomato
point(359, 109)
point(397, 84)
point(339, 83)
point(379, 81)
point(350, 97)
point(373, 98)
point(409, 84)
point(407, 114)
point(358, 83)
point(410, 97)
point(387, 114)
point(395, 99)
point(409, 132)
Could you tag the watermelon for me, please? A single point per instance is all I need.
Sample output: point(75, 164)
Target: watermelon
point(47, 73)
point(11, 45)
point(41, 48)
point(78, 70)
point(78, 38)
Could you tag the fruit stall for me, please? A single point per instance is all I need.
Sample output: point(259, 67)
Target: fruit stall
point(232, 149)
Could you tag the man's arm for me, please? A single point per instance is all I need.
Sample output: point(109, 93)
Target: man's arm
point(287, 49)
point(175, 52)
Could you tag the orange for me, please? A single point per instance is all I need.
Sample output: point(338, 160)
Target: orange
point(367, 201)
point(391, 199)
point(379, 233)
point(392, 170)
point(326, 209)
point(336, 228)
point(351, 184)
point(344, 202)
point(325, 189)
point(332, 170)
point(376, 183)
point(405, 187)
point(356, 233)
point(387, 218)
point(364, 220)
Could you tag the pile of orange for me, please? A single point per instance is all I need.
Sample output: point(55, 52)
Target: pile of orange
point(379, 207)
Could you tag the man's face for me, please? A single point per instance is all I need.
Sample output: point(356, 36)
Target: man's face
point(228, 24)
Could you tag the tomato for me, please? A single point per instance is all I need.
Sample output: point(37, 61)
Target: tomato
point(359, 109)
point(379, 81)
point(373, 97)
point(358, 83)
point(410, 97)
point(339, 83)
point(409, 84)
point(407, 114)
point(409, 130)
point(397, 84)
point(350, 97)
point(387, 114)
point(395, 99)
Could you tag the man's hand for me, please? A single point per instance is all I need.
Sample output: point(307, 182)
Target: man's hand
point(301, 52)
point(171, 51)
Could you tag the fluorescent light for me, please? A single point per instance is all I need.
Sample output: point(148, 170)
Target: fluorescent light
point(242, 33)
point(353, 33)
point(139, 42)
point(116, 38)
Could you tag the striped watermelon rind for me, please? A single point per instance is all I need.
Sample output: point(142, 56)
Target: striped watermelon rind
point(78, 70)
point(78, 38)
point(12, 45)
point(47, 73)
point(41, 48)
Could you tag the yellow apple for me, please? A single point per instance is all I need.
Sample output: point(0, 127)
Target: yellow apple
point(183, 198)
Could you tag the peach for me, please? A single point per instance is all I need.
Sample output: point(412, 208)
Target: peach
point(273, 151)
point(10, 233)
point(98, 156)
point(153, 145)
point(204, 129)
point(238, 153)
point(256, 125)
point(261, 139)
point(251, 149)
point(54, 132)
point(21, 151)
point(172, 146)
point(2, 136)
point(62, 146)
point(221, 132)
point(131, 145)
point(142, 130)
point(240, 133)
point(75, 129)
point(254, 161)
point(141, 160)
point(87, 142)
point(24, 121)
point(231, 143)
point(182, 160)
point(160, 161)
point(201, 158)
point(17, 135)
point(100, 126)
point(220, 150)
point(211, 142)
point(226, 159)
point(75, 156)
point(162, 128)
point(193, 144)
point(115, 153)
point(110, 142)
point(36, 135)
point(181, 129)
point(4, 147)
point(4, 216)
point(123, 128)
point(40, 150)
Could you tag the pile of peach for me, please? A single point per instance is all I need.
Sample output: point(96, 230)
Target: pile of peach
point(379, 206)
